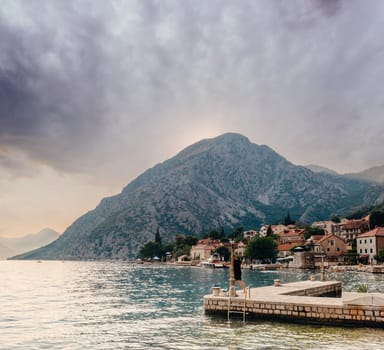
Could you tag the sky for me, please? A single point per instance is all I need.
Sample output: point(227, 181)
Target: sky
point(93, 93)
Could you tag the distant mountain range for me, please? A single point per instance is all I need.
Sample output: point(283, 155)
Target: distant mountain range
point(321, 169)
point(10, 246)
point(372, 174)
point(375, 174)
point(224, 182)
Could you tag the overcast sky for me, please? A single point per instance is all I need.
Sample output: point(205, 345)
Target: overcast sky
point(92, 93)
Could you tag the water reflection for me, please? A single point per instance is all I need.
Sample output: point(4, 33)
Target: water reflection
point(111, 305)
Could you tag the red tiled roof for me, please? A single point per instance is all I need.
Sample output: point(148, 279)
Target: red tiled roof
point(378, 231)
point(286, 246)
point(292, 233)
point(329, 236)
point(355, 224)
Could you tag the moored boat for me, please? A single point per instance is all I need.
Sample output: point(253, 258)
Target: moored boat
point(215, 262)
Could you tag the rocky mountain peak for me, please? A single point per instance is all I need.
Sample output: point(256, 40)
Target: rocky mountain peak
point(225, 181)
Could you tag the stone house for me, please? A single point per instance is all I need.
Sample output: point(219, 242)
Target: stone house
point(251, 234)
point(239, 249)
point(302, 258)
point(276, 229)
point(329, 226)
point(293, 236)
point(285, 249)
point(370, 243)
point(333, 247)
point(350, 229)
point(204, 248)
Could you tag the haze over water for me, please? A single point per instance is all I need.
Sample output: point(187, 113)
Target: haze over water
point(113, 305)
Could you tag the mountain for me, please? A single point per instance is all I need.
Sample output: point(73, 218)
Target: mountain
point(321, 169)
point(224, 182)
point(5, 252)
point(18, 245)
point(372, 174)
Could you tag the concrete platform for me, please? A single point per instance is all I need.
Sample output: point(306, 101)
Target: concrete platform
point(306, 301)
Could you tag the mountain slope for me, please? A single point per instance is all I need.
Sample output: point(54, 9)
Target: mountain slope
point(18, 245)
point(5, 252)
point(222, 182)
point(320, 169)
point(372, 174)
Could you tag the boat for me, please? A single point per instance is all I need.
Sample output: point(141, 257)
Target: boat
point(215, 262)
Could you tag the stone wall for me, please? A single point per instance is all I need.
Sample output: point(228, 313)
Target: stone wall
point(294, 312)
point(333, 290)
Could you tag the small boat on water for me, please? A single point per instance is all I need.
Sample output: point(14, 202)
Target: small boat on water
point(214, 262)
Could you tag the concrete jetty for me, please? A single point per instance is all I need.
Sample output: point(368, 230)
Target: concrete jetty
point(318, 302)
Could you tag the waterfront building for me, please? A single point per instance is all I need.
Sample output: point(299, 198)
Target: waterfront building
point(285, 250)
point(204, 248)
point(303, 258)
point(333, 247)
point(370, 243)
point(239, 249)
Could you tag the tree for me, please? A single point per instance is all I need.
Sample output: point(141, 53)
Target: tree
point(238, 232)
point(190, 240)
point(380, 256)
point(224, 252)
point(262, 248)
point(376, 219)
point(313, 231)
point(269, 231)
point(181, 250)
point(335, 219)
point(150, 250)
point(214, 234)
point(157, 236)
point(183, 245)
point(288, 220)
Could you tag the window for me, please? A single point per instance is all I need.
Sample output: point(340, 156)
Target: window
point(338, 249)
point(365, 241)
point(366, 250)
point(371, 250)
point(361, 250)
point(370, 241)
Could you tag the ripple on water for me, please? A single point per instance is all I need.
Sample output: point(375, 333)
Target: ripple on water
point(110, 305)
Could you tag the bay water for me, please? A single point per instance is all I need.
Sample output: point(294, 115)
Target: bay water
point(118, 305)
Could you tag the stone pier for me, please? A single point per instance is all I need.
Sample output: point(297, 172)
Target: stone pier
point(320, 302)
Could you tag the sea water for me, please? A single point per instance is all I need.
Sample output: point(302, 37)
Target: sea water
point(117, 305)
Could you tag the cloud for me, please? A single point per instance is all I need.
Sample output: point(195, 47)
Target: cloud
point(15, 167)
point(92, 84)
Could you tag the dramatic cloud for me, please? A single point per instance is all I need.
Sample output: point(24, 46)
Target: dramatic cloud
point(109, 88)
point(79, 79)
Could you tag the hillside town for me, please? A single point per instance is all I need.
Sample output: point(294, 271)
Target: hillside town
point(343, 242)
